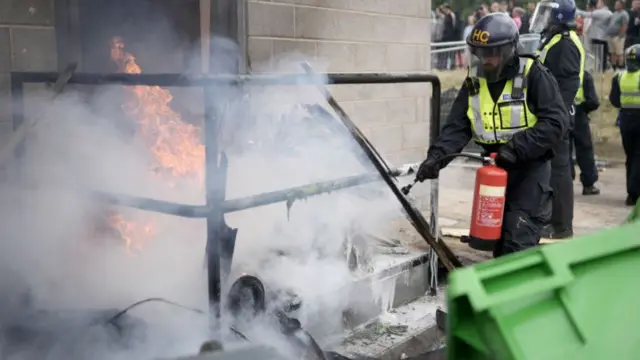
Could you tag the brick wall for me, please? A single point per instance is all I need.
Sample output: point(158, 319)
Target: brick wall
point(27, 43)
point(358, 36)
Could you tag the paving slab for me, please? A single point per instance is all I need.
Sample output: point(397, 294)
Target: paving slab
point(402, 332)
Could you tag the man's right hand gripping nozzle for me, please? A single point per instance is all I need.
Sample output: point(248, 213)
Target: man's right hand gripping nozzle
point(429, 169)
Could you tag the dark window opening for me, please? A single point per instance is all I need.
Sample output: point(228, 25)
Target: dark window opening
point(163, 35)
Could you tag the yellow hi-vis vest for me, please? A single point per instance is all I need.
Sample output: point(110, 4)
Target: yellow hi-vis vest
point(576, 40)
point(629, 89)
point(496, 122)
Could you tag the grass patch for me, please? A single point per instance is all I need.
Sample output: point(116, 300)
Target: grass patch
point(606, 136)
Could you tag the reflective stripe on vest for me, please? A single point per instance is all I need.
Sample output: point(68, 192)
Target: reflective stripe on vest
point(513, 115)
point(629, 89)
point(576, 40)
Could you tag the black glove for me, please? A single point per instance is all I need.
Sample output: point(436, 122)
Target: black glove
point(507, 158)
point(429, 169)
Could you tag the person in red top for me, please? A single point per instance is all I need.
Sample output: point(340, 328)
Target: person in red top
point(579, 25)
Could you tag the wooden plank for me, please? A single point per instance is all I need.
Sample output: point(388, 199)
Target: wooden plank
point(445, 255)
point(460, 232)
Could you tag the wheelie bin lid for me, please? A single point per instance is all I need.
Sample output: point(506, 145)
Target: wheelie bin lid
point(569, 300)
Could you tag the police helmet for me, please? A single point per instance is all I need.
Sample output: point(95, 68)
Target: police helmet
point(632, 57)
point(552, 13)
point(493, 41)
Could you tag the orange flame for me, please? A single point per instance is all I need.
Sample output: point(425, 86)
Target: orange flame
point(135, 236)
point(175, 145)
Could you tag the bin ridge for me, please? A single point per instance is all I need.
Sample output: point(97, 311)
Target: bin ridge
point(568, 300)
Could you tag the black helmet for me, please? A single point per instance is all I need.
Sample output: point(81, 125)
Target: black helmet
point(494, 41)
point(552, 13)
point(632, 57)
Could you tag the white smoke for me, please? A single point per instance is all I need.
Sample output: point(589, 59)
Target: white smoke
point(51, 254)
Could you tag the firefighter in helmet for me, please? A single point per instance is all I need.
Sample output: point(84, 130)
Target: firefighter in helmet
point(511, 105)
point(625, 95)
point(562, 53)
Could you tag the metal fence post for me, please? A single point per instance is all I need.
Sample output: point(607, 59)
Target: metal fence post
point(434, 131)
point(214, 215)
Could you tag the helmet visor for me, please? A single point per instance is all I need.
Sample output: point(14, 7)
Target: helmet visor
point(490, 61)
point(541, 17)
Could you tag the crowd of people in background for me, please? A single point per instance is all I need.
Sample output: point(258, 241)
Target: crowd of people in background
point(606, 33)
point(448, 26)
point(605, 39)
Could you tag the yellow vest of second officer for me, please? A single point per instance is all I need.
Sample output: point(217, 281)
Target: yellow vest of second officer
point(576, 40)
point(629, 89)
point(496, 122)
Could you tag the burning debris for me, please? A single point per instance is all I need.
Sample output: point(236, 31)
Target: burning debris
point(134, 234)
point(175, 145)
point(176, 154)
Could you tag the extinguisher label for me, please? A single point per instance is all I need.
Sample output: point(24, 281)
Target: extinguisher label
point(491, 205)
point(486, 190)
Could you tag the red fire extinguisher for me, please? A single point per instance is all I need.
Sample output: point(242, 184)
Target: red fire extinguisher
point(488, 205)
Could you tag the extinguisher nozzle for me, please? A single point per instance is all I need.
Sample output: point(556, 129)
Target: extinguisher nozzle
point(406, 189)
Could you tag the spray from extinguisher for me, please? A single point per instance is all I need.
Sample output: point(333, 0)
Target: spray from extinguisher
point(488, 202)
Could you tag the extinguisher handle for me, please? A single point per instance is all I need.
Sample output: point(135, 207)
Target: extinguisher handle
point(490, 160)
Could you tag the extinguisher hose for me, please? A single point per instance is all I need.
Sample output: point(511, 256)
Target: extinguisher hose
point(406, 189)
point(467, 155)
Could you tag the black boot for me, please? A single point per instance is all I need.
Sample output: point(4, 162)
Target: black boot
point(562, 234)
point(547, 232)
point(590, 190)
point(631, 200)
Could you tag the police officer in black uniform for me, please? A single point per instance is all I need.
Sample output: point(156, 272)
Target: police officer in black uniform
point(582, 141)
point(625, 95)
point(562, 53)
point(510, 104)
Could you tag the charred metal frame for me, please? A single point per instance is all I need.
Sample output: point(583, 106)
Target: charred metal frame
point(216, 205)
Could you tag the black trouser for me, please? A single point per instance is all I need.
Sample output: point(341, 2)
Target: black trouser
point(446, 58)
point(581, 136)
point(562, 184)
point(527, 207)
point(630, 132)
point(631, 40)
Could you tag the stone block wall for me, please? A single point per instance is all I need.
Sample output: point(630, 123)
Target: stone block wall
point(358, 36)
point(351, 35)
point(27, 43)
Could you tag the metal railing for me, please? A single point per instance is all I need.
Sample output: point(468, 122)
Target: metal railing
point(455, 54)
point(462, 45)
point(596, 58)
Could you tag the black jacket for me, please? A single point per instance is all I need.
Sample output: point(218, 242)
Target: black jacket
point(449, 27)
point(614, 98)
point(563, 59)
point(529, 145)
point(633, 30)
point(525, 22)
point(591, 101)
